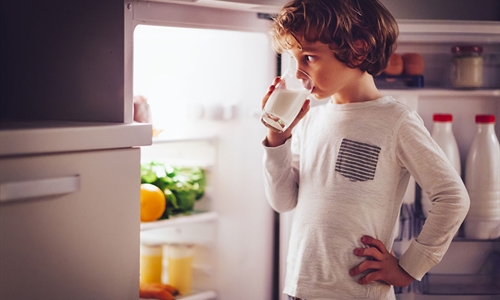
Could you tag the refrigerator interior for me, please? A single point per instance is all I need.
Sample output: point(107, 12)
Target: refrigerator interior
point(209, 67)
point(204, 85)
point(470, 268)
point(472, 265)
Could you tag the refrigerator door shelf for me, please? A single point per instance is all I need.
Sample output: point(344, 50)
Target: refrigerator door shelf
point(196, 217)
point(197, 295)
point(446, 284)
point(196, 229)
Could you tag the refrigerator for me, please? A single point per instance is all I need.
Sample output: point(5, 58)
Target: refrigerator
point(69, 153)
point(204, 67)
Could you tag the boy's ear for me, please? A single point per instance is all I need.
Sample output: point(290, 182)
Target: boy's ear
point(361, 49)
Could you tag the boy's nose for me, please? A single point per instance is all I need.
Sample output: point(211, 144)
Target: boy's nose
point(301, 75)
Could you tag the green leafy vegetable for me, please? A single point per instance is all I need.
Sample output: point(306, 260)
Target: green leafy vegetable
point(182, 186)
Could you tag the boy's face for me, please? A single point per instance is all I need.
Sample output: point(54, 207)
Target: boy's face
point(330, 75)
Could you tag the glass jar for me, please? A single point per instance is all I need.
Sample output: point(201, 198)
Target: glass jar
point(467, 66)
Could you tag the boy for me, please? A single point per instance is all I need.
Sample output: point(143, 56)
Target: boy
point(346, 167)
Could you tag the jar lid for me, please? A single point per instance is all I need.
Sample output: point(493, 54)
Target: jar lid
point(467, 49)
point(485, 118)
point(442, 117)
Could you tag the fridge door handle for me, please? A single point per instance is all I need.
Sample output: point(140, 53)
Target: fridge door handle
point(38, 188)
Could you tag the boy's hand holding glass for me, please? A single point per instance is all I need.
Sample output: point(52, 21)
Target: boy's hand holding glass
point(283, 103)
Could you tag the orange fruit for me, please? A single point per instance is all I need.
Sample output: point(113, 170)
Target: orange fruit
point(153, 202)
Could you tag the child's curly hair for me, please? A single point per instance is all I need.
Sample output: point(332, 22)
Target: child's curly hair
point(361, 33)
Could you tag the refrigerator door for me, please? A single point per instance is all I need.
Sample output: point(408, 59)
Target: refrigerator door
point(204, 72)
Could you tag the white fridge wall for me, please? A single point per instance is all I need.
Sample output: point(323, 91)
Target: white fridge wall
point(224, 70)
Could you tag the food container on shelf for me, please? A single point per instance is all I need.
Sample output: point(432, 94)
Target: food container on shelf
point(151, 263)
point(467, 66)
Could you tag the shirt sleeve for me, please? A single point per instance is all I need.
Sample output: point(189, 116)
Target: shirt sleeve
point(427, 163)
point(281, 176)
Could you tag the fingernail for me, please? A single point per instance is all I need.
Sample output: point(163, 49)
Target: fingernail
point(364, 239)
point(351, 272)
point(357, 251)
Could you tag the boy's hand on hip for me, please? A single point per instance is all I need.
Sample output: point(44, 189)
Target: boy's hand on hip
point(382, 265)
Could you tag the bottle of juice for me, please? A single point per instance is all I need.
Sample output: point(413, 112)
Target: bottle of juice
point(151, 263)
point(180, 267)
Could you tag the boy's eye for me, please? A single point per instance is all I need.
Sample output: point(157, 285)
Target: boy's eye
point(310, 58)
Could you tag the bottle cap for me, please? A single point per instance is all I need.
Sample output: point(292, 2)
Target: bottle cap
point(485, 118)
point(442, 117)
point(467, 49)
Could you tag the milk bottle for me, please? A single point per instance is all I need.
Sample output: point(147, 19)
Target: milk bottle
point(482, 179)
point(442, 133)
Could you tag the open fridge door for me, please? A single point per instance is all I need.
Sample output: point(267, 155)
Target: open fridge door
point(203, 71)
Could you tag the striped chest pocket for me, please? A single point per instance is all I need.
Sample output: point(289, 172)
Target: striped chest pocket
point(357, 161)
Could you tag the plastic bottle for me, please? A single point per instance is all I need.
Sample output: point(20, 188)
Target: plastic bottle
point(482, 179)
point(442, 133)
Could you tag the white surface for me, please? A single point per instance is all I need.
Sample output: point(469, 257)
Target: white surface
point(180, 220)
point(83, 245)
point(217, 67)
point(37, 137)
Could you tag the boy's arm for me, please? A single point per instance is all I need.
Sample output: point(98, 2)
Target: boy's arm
point(428, 164)
point(281, 176)
point(280, 165)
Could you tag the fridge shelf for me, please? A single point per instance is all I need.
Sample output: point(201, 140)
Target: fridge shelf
point(449, 31)
point(445, 284)
point(201, 295)
point(206, 295)
point(196, 217)
point(183, 138)
point(436, 92)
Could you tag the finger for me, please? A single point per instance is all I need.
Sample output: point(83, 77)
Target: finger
point(368, 240)
point(366, 265)
point(270, 91)
point(370, 277)
point(369, 252)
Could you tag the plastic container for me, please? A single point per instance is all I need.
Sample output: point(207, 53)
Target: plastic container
point(151, 263)
point(442, 133)
point(467, 66)
point(180, 267)
point(482, 179)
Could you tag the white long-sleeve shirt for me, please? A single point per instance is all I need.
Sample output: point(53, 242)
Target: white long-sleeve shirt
point(345, 171)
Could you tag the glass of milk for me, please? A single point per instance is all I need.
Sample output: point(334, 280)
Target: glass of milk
point(286, 100)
